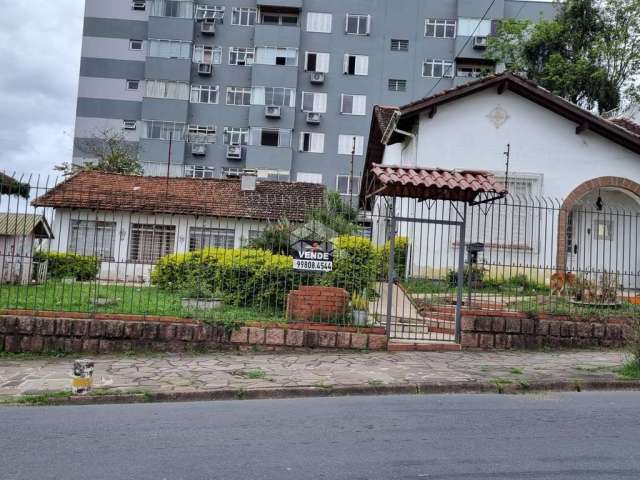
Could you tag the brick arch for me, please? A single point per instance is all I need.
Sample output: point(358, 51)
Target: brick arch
point(575, 196)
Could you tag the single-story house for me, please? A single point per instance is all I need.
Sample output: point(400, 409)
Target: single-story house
point(20, 234)
point(573, 177)
point(130, 222)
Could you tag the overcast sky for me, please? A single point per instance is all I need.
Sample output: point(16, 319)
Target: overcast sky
point(40, 44)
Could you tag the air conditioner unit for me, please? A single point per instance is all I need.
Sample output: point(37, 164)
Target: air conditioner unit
point(208, 26)
point(199, 149)
point(139, 5)
point(234, 152)
point(317, 77)
point(205, 69)
point(271, 111)
point(313, 118)
point(480, 43)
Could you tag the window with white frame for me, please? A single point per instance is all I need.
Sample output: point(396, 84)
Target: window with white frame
point(353, 104)
point(472, 70)
point(93, 238)
point(129, 124)
point(133, 84)
point(205, 94)
point(315, 102)
point(231, 172)
point(169, 49)
point(277, 17)
point(309, 177)
point(316, 62)
point(241, 56)
point(277, 56)
point(236, 136)
point(199, 171)
point(270, 137)
point(210, 12)
point(274, 175)
point(201, 134)
point(166, 89)
point(477, 27)
point(172, 8)
point(312, 142)
point(203, 237)
point(161, 130)
point(357, 24)
point(398, 45)
point(346, 186)
point(240, 96)
point(346, 144)
point(397, 85)
point(439, 28)
point(207, 54)
point(356, 64)
point(273, 96)
point(148, 243)
point(437, 68)
point(136, 45)
point(319, 22)
point(245, 17)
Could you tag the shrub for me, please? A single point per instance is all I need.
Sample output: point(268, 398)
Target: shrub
point(355, 264)
point(401, 249)
point(69, 265)
point(473, 276)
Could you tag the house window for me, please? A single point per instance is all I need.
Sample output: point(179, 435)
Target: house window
point(172, 8)
point(199, 171)
point(314, 102)
point(472, 71)
point(398, 45)
point(271, 137)
point(135, 44)
point(357, 24)
point(200, 238)
point(277, 56)
point(316, 62)
point(129, 124)
point(273, 96)
point(169, 49)
point(319, 22)
point(204, 94)
point(312, 142)
point(309, 177)
point(353, 104)
point(149, 243)
point(437, 68)
point(133, 84)
point(602, 229)
point(278, 18)
point(241, 56)
point(245, 17)
point(207, 54)
point(201, 134)
point(356, 64)
point(236, 136)
point(439, 28)
point(345, 186)
point(396, 85)
point(239, 96)
point(346, 144)
point(165, 89)
point(160, 130)
point(210, 12)
point(90, 237)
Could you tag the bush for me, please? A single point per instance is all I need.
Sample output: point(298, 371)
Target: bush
point(401, 249)
point(69, 265)
point(473, 276)
point(355, 264)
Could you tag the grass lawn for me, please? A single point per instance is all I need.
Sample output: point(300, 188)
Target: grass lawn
point(136, 300)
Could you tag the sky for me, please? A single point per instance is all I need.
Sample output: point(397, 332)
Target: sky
point(40, 43)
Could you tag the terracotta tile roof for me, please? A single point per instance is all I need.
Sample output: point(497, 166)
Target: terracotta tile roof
point(184, 196)
point(627, 124)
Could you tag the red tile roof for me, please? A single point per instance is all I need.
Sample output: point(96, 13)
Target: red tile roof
point(184, 196)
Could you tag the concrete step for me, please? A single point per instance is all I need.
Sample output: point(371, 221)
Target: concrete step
point(422, 346)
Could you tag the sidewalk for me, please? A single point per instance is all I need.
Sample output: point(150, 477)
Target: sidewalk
point(232, 375)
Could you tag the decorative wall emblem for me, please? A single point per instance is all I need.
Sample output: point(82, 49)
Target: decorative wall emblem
point(498, 116)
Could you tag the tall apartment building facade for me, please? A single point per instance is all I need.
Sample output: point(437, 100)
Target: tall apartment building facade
point(285, 87)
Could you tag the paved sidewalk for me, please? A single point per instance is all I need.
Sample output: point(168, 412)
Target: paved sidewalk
point(287, 374)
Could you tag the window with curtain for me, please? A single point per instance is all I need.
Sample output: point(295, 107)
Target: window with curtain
point(166, 89)
point(169, 49)
point(172, 8)
point(314, 102)
point(353, 104)
point(316, 62)
point(203, 237)
point(345, 144)
point(240, 96)
point(277, 56)
point(159, 130)
point(201, 134)
point(276, 96)
point(148, 242)
point(210, 55)
point(312, 142)
point(319, 22)
point(93, 238)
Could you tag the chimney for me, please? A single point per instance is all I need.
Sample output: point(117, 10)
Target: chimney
point(248, 180)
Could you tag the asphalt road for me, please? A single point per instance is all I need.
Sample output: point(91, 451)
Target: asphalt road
point(555, 436)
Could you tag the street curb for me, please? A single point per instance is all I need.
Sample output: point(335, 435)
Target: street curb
point(426, 388)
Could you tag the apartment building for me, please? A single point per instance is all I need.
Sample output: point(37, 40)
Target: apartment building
point(207, 88)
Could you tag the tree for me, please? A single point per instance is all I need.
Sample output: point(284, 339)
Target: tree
point(112, 153)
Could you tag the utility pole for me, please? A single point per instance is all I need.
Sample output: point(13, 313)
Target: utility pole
point(353, 154)
point(507, 154)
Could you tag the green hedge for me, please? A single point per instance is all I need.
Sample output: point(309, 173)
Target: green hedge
point(356, 264)
point(69, 265)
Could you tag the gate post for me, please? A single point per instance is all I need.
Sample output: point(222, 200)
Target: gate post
point(391, 266)
point(460, 289)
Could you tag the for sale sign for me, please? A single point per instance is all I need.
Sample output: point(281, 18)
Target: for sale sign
point(312, 256)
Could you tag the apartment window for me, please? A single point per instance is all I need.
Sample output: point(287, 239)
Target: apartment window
point(241, 56)
point(207, 54)
point(316, 62)
point(277, 56)
point(271, 137)
point(274, 175)
point(472, 71)
point(245, 17)
point(353, 104)
point(200, 238)
point(140, 5)
point(236, 136)
point(346, 144)
point(437, 68)
point(398, 45)
point(309, 177)
point(136, 44)
point(172, 8)
point(169, 49)
point(356, 64)
point(150, 242)
point(319, 22)
point(277, 96)
point(240, 96)
point(129, 124)
point(314, 102)
point(159, 130)
point(439, 28)
point(166, 89)
point(312, 142)
point(201, 134)
point(477, 27)
point(346, 186)
point(231, 172)
point(94, 238)
point(357, 24)
point(396, 85)
point(278, 18)
point(199, 171)
point(204, 94)
point(133, 84)
point(210, 12)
